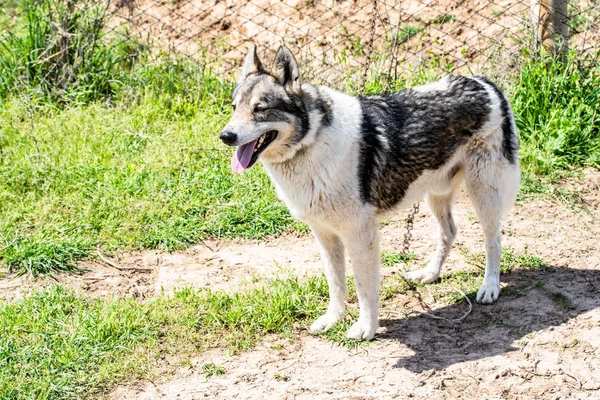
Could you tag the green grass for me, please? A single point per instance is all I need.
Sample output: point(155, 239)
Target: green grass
point(510, 260)
point(211, 369)
point(406, 32)
point(561, 300)
point(442, 19)
point(556, 109)
point(57, 344)
point(389, 259)
point(59, 50)
point(147, 174)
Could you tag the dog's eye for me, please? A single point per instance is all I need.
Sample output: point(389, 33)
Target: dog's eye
point(233, 107)
point(259, 109)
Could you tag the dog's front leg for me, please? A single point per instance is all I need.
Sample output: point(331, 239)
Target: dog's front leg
point(332, 254)
point(362, 242)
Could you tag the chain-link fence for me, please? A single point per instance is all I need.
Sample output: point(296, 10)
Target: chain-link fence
point(345, 40)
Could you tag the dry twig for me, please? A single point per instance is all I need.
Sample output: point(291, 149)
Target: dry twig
point(120, 268)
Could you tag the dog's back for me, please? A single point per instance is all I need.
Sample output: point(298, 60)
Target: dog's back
point(409, 132)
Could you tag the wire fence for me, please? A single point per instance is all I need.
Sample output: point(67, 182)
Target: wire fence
point(340, 41)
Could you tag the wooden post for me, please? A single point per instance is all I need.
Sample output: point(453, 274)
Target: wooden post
point(550, 20)
point(560, 22)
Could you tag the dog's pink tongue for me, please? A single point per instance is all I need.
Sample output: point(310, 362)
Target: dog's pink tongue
point(241, 158)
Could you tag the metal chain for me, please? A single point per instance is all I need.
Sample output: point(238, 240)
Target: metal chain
point(410, 219)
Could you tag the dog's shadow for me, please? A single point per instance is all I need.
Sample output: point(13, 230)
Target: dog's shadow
point(532, 301)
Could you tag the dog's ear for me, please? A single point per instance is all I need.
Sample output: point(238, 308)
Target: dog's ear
point(286, 69)
point(252, 64)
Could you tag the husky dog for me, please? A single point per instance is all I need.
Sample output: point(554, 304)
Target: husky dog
point(339, 162)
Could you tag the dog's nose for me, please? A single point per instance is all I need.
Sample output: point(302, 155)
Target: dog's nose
point(229, 138)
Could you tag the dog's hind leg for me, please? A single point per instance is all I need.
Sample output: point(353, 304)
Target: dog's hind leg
point(332, 254)
point(492, 185)
point(441, 207)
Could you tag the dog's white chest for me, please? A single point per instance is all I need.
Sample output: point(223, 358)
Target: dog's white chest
point(307, 197)
point(315, 194)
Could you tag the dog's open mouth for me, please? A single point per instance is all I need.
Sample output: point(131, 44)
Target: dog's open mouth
point(247, 154)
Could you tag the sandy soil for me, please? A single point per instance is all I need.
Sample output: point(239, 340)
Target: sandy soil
point(527, 346)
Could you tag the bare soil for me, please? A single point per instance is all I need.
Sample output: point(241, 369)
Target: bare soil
point(541, 340)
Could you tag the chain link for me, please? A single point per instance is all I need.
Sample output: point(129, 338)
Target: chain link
point(369, 48)
point(410, 219)
point(335, 41)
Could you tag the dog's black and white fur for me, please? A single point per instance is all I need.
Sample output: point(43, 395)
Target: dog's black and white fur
point(339, 162)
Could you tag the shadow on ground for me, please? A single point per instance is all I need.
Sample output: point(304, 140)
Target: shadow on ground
point(531, 301)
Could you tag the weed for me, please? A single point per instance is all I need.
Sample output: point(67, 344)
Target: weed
point(466, 281)
point(472, 218)
point(389, 259)
point(443, 19)
point(555, 110)
point(573, 343)
point(510, 326)
point(59, 50)
point(210, 369)
point(539, 285)
point(394, 285)
point(509, 260)
point(406, 32)
point(532, 187)
point(561, 300)
point(281, 378)
point(510, 291)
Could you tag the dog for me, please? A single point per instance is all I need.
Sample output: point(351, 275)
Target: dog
point(339, 162)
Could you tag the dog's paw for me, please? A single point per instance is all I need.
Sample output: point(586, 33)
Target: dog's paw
point(325, 322)
point(488, 293)
point(362, 330)
point(422, 276)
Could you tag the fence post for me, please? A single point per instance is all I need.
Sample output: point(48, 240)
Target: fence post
point(560, 22)
point(550, 19)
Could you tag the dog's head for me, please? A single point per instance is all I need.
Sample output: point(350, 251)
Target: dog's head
point(269, 117)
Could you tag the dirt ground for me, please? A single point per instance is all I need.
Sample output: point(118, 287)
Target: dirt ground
point(530, 345)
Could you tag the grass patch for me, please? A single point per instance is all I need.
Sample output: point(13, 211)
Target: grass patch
point(56, 344)
point(210, 369)
point(389, 259)
point(469, 281)
point(550, 187)
point(561, 300)
point(59, 50)
point(555, 106)
point(509, 261)
point(149, 174)
point(442, 19)
point(406, 32)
